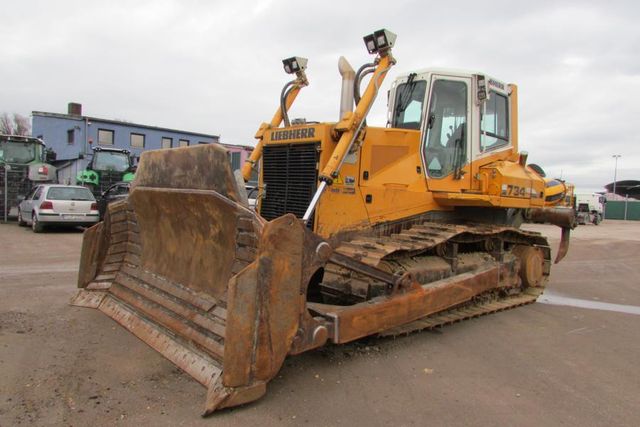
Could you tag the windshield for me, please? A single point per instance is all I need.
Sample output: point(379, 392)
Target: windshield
point(69, 193)
point(18, 152)
point(105, 160)
point(408, 106)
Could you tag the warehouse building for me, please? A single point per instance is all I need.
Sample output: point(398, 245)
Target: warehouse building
point(72, 136)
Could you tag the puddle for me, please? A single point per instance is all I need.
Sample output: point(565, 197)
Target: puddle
point(555, 299)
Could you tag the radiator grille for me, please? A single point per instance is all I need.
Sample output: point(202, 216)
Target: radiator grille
point(290, 174)
point(107, 179)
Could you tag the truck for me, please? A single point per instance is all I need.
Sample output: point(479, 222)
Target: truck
point(23, 163)
point(359, 230)
point(589, 208)
point(107, 166)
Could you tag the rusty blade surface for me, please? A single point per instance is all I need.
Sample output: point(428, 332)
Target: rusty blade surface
point(187, 236)
point(202, 368)
point(89, 299)
point(201, 167)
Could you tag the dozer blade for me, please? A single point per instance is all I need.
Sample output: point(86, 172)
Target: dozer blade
point(196, 275)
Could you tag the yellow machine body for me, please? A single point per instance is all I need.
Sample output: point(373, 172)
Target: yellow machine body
point(383, 178)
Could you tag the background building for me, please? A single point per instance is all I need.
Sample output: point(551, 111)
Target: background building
point(71, 136)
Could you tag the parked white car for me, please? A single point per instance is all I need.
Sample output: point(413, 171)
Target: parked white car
point(53, 204)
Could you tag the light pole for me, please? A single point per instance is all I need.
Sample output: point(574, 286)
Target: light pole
point(615, 171)
point(7, 168)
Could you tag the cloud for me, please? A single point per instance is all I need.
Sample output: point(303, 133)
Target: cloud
point(214, 66)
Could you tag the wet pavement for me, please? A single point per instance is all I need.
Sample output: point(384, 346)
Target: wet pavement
point(552, 298)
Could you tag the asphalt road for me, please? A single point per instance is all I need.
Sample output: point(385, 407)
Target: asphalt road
point(543, 364)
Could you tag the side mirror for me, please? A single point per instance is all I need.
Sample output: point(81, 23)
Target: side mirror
point(481, 94)
point(21, 198)
point(50, 156)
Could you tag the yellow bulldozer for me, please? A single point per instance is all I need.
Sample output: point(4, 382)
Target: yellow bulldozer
point(358, 230)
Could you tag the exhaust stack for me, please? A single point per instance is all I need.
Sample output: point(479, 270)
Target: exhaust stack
point(348, 82)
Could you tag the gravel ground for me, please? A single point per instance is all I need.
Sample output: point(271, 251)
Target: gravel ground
point(543, 364)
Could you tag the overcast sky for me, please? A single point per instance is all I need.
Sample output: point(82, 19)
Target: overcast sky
point(215, 66)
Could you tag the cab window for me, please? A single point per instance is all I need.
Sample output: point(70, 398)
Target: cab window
point(407, 113)
point(494, 128)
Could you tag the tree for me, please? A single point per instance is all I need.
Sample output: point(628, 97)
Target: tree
point(16, 125)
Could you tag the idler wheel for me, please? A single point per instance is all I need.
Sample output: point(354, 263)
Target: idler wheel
point(531, 265)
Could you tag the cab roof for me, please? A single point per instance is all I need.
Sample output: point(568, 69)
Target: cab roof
point(21, 138)
point(113, 150)
point(423, 72)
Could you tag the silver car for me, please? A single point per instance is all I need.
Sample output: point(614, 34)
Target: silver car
point(52, 204)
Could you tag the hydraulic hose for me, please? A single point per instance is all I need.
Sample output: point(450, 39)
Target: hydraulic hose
point(283, 97)
point(369, 68)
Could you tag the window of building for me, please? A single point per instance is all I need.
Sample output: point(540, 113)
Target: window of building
point(137, 140)
point(235, 161)
point(167, 142)
point(202, 142)
point(183, 143)
point(71, 134)
point(105, 137)
point(494, 128)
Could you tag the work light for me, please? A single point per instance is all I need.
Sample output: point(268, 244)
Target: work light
point(380, 40)
point(294, 64)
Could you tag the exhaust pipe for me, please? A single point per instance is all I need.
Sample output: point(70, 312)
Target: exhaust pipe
point(348, 82)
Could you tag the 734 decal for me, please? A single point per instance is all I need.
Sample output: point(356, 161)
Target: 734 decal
point(515, 191)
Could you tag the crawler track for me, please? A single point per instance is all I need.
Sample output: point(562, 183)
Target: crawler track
point(468, 311)
point(425, 245)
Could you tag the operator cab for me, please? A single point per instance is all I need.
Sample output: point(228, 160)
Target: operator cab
point(16, 149)
point(461, 115)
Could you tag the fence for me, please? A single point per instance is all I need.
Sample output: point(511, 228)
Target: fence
point(617, 209)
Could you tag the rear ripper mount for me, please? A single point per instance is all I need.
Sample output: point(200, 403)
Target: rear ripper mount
point(226, 296)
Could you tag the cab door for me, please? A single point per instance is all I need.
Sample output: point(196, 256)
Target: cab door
point(446, 143)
